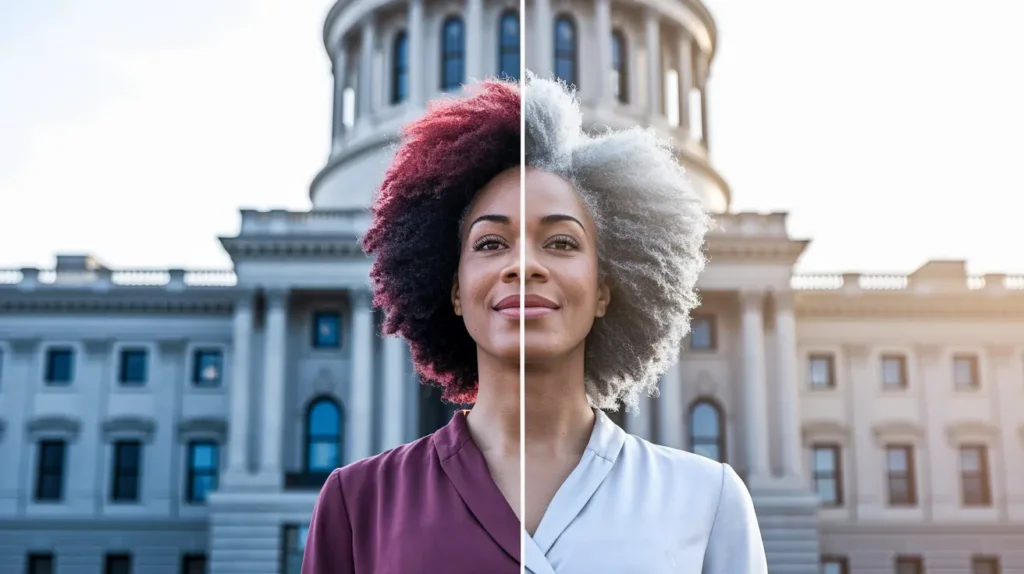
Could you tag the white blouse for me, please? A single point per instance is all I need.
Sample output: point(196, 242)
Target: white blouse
point(634, 507)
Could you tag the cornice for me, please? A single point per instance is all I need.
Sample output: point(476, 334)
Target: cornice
point(907, 304)
point(129, 426)
point(315, 247)
point(825, 430)
point(777, 250)
point(56, 300)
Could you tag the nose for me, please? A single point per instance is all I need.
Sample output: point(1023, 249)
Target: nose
point(532, 268)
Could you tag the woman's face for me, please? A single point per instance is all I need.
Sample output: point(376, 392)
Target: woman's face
point(563, 295)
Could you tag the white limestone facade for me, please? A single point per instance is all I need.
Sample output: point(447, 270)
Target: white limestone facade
point(170, 421)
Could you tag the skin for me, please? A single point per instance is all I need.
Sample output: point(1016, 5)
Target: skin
point(561, 266)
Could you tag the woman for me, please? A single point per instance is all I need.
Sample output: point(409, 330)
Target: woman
point(613, 238)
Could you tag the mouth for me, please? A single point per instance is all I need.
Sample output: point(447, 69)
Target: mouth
point(533, 306)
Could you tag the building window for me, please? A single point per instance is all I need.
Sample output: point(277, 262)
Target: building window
point(203, 467)
point(323, 436)
point(326, 330)
point(294, 547)
point(50, 471)
point(974, 475)
point(208, 368)
point(966, 375)
point(59, 366)
point(702, 333)
point(822, 371)
point(834, 565)
point(985, 565)
point(1, 365)
point(400, 68)
point(620, 71)
point(124, 485)
point(909, 565)
point(453, 54)
point(565, 50)
point(39, 563)
point(894, 372)
point(193, 564)
point(508, 46)
point(117, 564)
point(707, 433)
point(133, 367)
point(827, 473)
point(902, 482)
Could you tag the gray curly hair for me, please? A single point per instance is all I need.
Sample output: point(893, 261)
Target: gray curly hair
point(651, 227)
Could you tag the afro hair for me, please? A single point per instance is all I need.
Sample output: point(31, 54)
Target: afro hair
point(445, 158)
point(651, 228)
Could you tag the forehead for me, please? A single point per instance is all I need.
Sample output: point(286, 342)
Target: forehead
point(546, 194)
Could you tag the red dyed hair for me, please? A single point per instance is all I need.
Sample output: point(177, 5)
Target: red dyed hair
point(445, 158)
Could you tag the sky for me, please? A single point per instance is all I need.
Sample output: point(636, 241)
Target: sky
point(891, 131)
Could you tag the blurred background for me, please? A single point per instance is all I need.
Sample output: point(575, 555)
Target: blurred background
point(186, 342)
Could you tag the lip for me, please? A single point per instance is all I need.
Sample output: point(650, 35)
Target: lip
point(532, 301)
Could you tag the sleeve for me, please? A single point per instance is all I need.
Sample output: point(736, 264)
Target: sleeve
point(329, 541)
point(735, 545)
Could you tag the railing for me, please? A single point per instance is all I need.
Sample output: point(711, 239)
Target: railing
point(122, 277)
point(895, 282)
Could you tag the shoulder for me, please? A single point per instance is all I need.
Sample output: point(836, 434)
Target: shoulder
point(697, 471)
point(384, 469)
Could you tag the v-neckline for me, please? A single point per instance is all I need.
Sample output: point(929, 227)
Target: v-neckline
point(468, 472)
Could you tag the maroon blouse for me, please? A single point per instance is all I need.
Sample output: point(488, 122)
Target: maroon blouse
point(425, 507)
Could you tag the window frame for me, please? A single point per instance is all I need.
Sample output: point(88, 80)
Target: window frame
point(308, 435)
point(904, 375)
point(719, 441)
point(712, 333)
point(43, 470)
point(836, 475)
point(188, 558)
point(31, 566)
point(974, 363)
point(191, 472)
point(989, 563)
point(842, 561)
point(48, 366)
point(558, 55)
point(447, 84)
point(910, 561)
point(511, 48)
point(122, 364)
point(399, 70)
point(984, 474)
point(910, 475)
point(196, 375)
point(831, 383)
point(621, 67)
point(315, 331)
point(131, 474)
point(111, 560)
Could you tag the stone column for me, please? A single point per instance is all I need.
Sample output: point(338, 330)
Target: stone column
point(359, 418)
point(365, 100)
point(275, 345)
point(543, 63)
point(754, 388)
point(1005, 366)
point(474, 40)
point(789, 389)
point(652, 30)
point(416, 48)
point(863, 476)
point(670, 404)
point(940, 496)
point(238, 429)
point(394, 411)
point(685, 78)
point(639, 423)
point(340, 71)
point(603, 21)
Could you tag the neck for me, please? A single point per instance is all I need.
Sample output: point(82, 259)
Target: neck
point(559, 419)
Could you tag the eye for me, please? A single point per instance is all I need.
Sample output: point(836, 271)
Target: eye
point(563, 243)
point(489, 243)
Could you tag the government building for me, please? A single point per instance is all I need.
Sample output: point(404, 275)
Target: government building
point(182, 421)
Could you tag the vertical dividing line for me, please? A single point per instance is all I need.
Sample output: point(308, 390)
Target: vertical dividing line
point(522, 284)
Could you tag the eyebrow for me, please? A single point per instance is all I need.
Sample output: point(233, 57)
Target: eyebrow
point(555, 217)
point(503, 219)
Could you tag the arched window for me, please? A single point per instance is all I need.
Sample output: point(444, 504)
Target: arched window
point(400, 68)
point(453, 54)
point(323, 436)
point(508, 46)
point(620, 70)
point(565, 49)
point(707, 431)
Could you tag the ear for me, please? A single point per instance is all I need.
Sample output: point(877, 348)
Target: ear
point(456, 300)
point(604, 298)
